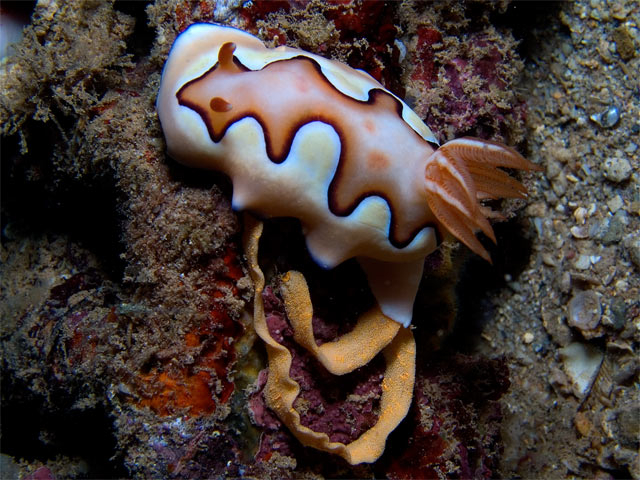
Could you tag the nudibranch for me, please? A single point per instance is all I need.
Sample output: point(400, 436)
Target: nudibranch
point(306, 137)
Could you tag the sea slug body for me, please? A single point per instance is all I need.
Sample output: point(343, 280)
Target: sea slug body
point(306, 137)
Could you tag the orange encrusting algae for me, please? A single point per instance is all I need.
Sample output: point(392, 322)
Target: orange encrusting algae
point(197, 389)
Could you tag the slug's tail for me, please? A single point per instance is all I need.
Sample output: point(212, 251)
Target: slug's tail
point(460, 174)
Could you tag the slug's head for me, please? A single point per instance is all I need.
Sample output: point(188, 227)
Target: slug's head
point(211, 95)
point(196, 52)
point(225, 64)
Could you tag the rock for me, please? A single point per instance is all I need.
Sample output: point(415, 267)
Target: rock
point(9, 467)
point(553, 169)
point(580, 214)
point(617, 169)
point(607, 118)
point(624, 43)
point(581, 362)
point(633, 247)
point(623, 425)
point(615, 204)
point(618, 309)
point(583, 424)
point(585, 310)
point(616, 228)
point(579, 232)
point(583, 262)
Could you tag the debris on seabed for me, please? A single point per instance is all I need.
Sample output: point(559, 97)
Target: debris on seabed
point(581, 362)
point(585, 310)
point(608, 118)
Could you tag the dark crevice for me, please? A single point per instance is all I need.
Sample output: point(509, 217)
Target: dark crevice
point(139, 43)
point(32, 433)
point(18, 10)
point(524, 19)
point(34, 202)
point(197, 177)
point(479, 279)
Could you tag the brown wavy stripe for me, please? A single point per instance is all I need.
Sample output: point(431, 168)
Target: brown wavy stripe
point(314, 98)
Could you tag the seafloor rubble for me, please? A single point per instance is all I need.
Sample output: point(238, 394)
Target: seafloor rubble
point(127, 340)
